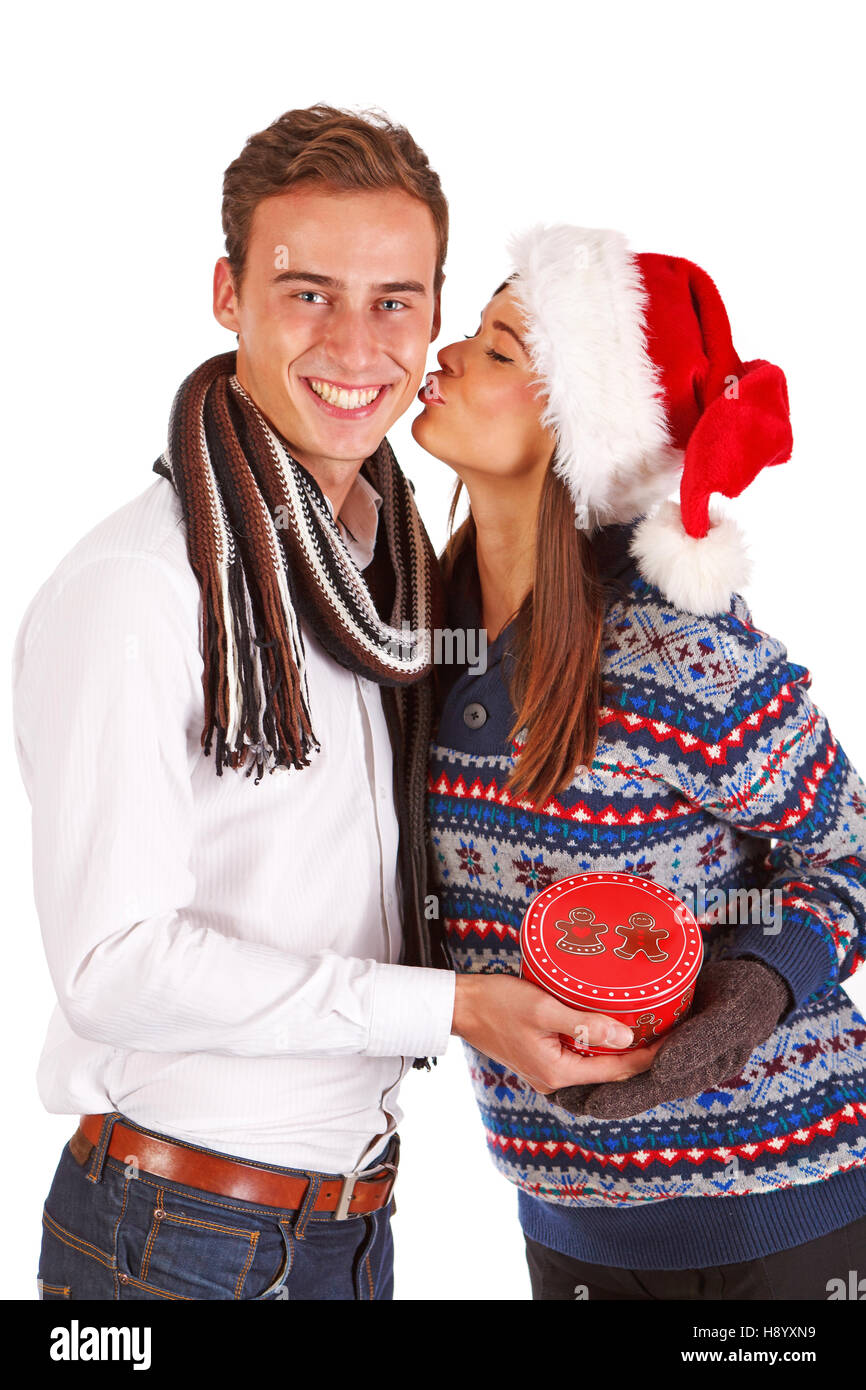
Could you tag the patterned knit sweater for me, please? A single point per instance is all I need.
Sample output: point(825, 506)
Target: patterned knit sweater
point(713, 770)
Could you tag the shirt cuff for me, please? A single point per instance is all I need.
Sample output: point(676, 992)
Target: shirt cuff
point(413, 1009)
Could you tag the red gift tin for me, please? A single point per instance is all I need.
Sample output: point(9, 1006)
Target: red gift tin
point(614, 944)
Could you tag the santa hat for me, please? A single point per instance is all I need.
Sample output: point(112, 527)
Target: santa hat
point(643, 388)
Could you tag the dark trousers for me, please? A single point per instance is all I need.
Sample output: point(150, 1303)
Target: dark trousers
point(129, 1234)
point(831, 1266)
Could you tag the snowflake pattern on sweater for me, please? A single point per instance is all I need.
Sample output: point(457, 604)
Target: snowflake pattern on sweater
point(713, 771)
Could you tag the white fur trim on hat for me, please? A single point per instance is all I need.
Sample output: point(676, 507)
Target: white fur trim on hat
point(637, 492)
point(698, 575)
point(583, 298)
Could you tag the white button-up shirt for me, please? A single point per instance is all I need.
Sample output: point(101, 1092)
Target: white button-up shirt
point(224, 954)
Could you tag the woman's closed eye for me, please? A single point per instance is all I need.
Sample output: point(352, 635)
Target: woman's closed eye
point(497, 356)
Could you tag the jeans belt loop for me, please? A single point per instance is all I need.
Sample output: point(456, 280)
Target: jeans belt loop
point(308, 1205)
point(97, 1162)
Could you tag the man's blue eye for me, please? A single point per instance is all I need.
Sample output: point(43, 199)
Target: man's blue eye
point(398, 302)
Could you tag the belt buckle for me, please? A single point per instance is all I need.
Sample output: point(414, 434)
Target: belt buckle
point(341, 1211)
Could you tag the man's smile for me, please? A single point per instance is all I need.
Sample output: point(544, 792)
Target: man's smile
point(342, 400)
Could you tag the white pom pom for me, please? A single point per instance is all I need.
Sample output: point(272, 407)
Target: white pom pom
point(698, 576)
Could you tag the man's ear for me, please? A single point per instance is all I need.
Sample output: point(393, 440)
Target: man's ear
point(437, 315)
point(224, 297)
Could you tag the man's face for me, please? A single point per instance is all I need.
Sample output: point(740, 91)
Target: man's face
point(335, 314)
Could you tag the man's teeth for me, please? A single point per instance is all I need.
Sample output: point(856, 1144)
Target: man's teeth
point(339, 396)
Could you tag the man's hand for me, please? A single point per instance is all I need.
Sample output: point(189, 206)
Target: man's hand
point(518, 1024)
point(737, 1005)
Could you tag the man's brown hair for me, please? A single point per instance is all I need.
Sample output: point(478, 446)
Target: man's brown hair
point(336, 148)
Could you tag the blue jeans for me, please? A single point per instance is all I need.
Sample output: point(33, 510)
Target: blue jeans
point(103, 1240)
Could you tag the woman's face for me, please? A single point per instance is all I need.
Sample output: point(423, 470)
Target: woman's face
point(482, 410)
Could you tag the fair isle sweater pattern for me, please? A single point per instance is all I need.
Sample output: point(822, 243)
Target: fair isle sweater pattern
point(713, 770)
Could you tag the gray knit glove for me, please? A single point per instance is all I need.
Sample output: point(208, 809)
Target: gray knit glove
point(737, 1005)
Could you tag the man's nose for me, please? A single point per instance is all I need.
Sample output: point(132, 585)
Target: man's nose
point(351, 340)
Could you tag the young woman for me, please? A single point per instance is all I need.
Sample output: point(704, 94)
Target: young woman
point(632, 717)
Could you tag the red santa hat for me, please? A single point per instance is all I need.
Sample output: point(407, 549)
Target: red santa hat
point(643, 389)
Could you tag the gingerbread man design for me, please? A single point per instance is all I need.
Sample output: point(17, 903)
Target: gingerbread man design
point(683, 1007)
point(640, 935)
point(644, 1030)
point(581, 932)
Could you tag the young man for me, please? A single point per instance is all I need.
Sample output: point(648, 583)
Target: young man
point(245, 966)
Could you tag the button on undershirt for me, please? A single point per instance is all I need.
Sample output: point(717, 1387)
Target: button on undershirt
point(474, 715)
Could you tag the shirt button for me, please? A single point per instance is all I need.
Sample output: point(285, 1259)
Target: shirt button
point(474, 715)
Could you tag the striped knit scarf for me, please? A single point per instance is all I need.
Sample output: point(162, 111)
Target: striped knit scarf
point(266, 551)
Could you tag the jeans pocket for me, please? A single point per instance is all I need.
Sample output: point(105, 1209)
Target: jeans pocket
point(268, 1279)
point(174, 1246)
point(46, 1290)
point(71, 1267)
point(374, 1262)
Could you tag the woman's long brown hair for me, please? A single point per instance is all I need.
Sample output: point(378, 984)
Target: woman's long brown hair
point(555, 687)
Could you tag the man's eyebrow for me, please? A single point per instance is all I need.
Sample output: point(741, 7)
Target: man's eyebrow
point(328, 282)
point(497, 323)
point(291, 275)
point(402, 287)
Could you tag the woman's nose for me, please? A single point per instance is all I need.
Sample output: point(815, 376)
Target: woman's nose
point(449, 358)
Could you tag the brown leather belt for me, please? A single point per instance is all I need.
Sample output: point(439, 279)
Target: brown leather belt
point(352, 1195)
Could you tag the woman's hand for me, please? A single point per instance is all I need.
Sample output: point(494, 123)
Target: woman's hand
point(518, 1024)
point(737, 1005)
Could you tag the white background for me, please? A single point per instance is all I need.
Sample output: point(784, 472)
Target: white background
point(729, 134)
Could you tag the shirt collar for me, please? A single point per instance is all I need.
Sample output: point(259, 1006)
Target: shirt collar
point(358, 521)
